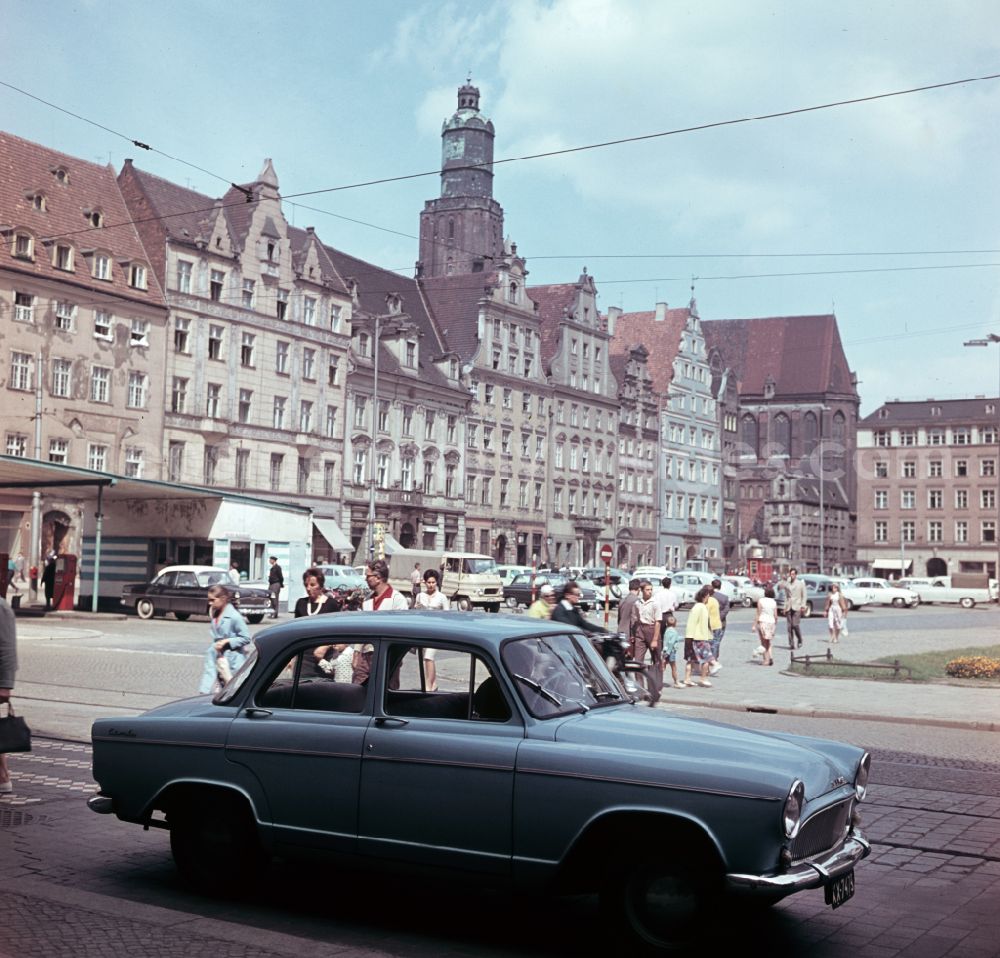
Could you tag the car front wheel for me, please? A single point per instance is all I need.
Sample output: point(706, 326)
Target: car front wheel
point(511, 602)
point(898, 603)
point(809, 610)
point(145, 609)
point(850, 606)
point(967, 602)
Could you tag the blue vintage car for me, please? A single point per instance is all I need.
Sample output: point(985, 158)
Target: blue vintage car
point(523, 762)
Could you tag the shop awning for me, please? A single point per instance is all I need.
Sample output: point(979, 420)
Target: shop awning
point(894, 564)
point(333, 534)
point(391, 544)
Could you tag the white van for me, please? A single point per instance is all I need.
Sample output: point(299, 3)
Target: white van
point(468, 579)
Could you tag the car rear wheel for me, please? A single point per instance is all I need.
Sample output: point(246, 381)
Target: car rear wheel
point(850, 605)
point(145, 609)
point(657, 904)
point(898, 603)
point(182, 616)
point(809, 610)
point(463, 604)
point(212, 839)
point(747, 602)
point(967, 602)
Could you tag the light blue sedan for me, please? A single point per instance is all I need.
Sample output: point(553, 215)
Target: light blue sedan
point(524, 763)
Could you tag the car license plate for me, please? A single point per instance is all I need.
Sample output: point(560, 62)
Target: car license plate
point(841, 889)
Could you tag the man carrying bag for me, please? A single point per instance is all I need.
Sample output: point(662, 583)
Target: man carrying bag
point(14, 733)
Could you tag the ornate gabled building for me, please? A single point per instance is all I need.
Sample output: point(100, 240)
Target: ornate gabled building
point(635, 532)
point(256, 357)
point(82, 327)
point(798, 418)
point(408, 431)
point(494, 328)
point(583, 421)
point(689, 448)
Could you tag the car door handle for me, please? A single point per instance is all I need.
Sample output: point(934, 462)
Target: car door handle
point(257, 713)
point(384, 721)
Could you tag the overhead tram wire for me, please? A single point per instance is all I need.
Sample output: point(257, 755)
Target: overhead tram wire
point(531, 156)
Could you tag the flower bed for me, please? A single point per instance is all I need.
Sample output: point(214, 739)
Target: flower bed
point(974, 667)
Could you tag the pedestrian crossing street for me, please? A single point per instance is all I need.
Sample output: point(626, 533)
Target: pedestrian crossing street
point(50, 764)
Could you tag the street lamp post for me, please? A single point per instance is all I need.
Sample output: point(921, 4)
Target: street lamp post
point(379, 319)
point(986, 341)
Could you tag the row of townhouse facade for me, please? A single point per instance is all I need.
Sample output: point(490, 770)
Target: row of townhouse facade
point(212, 343)
point(928, 487)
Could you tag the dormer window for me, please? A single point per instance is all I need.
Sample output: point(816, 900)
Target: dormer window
point(38, 201)
point(272, 251)
point(363, 344)
point(394, 303)
point(935, 410)
point(24, 246)
point(512, 293)
point(137, 276)
point(61, 175)
point(883, 413)
point(411, 355)
point(62, 257)
point(102, 266)
point(94, 217)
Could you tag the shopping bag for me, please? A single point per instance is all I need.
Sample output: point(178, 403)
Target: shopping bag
point(15, 736)
point(843, 629)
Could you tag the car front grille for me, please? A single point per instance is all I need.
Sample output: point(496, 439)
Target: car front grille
point(822, 831)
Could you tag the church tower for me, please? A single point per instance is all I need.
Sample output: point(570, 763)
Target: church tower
point(462, 230)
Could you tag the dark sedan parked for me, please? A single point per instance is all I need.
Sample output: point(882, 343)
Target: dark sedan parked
point(519, 590)
point(182, 589)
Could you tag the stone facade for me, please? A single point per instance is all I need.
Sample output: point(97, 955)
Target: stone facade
point(928, 488)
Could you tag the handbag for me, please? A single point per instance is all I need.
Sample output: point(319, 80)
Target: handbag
point(15, 736)
point(843, 628)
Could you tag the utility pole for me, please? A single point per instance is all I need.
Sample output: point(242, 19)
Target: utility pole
point(35, 546)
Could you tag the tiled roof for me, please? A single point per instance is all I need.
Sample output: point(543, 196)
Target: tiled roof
point(555, 302)
point(375, 283)
point(662, 338)
point(300, 241)
point(454, 302)
point(27, 167)
point(184, 214)
point(803, 355)
point(919, 413)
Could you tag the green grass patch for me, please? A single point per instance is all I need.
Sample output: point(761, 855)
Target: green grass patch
point(925, 667)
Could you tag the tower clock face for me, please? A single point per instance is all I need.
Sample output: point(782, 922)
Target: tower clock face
point(454, 147)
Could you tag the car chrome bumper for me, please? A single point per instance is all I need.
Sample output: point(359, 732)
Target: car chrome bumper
point(102, 804)
point(813, 873)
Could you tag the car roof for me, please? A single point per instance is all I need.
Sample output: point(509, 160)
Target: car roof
point(478, 629)
point(192, 568)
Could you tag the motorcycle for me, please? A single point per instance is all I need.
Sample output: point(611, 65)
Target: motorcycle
point(633, 676)
point(347, 600)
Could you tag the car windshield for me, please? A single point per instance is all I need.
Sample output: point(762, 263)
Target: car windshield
point(478, 566)
point(559, 675)
point(213, 576)
point(236, 682)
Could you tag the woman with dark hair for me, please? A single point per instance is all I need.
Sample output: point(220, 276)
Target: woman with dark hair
point(230, 638)
point(700, 636)
point(317, 600)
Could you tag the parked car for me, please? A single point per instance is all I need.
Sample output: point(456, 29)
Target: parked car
point(618, 587)
point(343, 578)
point(818, 588)
point(182, 589)
point(519, 591)
point(884, 592)
point(750, 591)
point(943, 589)
point(507, 572)
point(526, 766)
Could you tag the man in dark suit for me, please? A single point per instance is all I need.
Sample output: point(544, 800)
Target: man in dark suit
point(566, 610)
point(275, 583)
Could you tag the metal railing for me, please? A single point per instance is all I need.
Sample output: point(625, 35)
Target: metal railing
point(827, 659)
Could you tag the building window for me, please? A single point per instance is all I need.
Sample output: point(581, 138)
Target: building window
point(175, 462)
point(24, 307)
point(504, 492)
point(470, 489)
point(383, 415)
point(17, 445)
point(962, 531)
point(490, 394)
point(508, 398)
point(988, 529)
point(907, 437)
point(281, 358)
point(100, 384)
point(331, 422)
point(935, 498)
point(215, 342)
point(97, 457)
point(308, 311)
point(429, 425)
point(58, 451)
point(139, 333)
point(781, 434)
point(61, 377)
point(335, 312)
point(278, 417)
point(184, 269)
point(558, 460)
point(908, 531)
point(382, 470)
point(410, 356)
point(212, 401)
point(248, 291)
point(65, 317)
point(935, 531)
point(22, 371)
point(909, 470)
point(62, 257)
point(329, 478)
point(102, 267)
point(987, 498)
point(574, 415)
point(211, 462)
point(450, 479)
point(242, 468)
point(935, 437)
point(333, 371)
point(486, 496)
point(407, 420)
point(182, 335)
point(360, 466)
point(281, 304)
point(881, 530)
point(428, 486)
point(24, 246)
point(883, 437)
point(360, 404)
point(302, 475)
point(505, 441)
point(488, 438)
point(451, 433)
point(178, 394)
point(216, 284)
point(987, 467)
point(961, 468)
point(406, 473)
point(363, 341)
point(305, 416)
point(247, 341)
point(243, 408)
point(961, 436)
point(137, 276)
point(274, 473)
point(138, 385)
point(309, 364)
point(961, 498)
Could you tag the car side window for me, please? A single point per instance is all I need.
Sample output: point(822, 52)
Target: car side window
point(326, 678)
point(187, 580)
point(452, 565)
point(166, 580)
point(429, 682)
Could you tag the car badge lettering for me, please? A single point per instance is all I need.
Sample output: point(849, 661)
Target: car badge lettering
point(838, 781)
point(127, 733)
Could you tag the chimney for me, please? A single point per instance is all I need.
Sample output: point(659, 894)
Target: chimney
point(661, 312)
point(613, 313)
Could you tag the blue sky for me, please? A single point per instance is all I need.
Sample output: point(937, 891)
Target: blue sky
point(341, 92)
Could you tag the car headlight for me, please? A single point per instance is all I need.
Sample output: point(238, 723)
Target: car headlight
point(791, 815)
point(861, 778)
